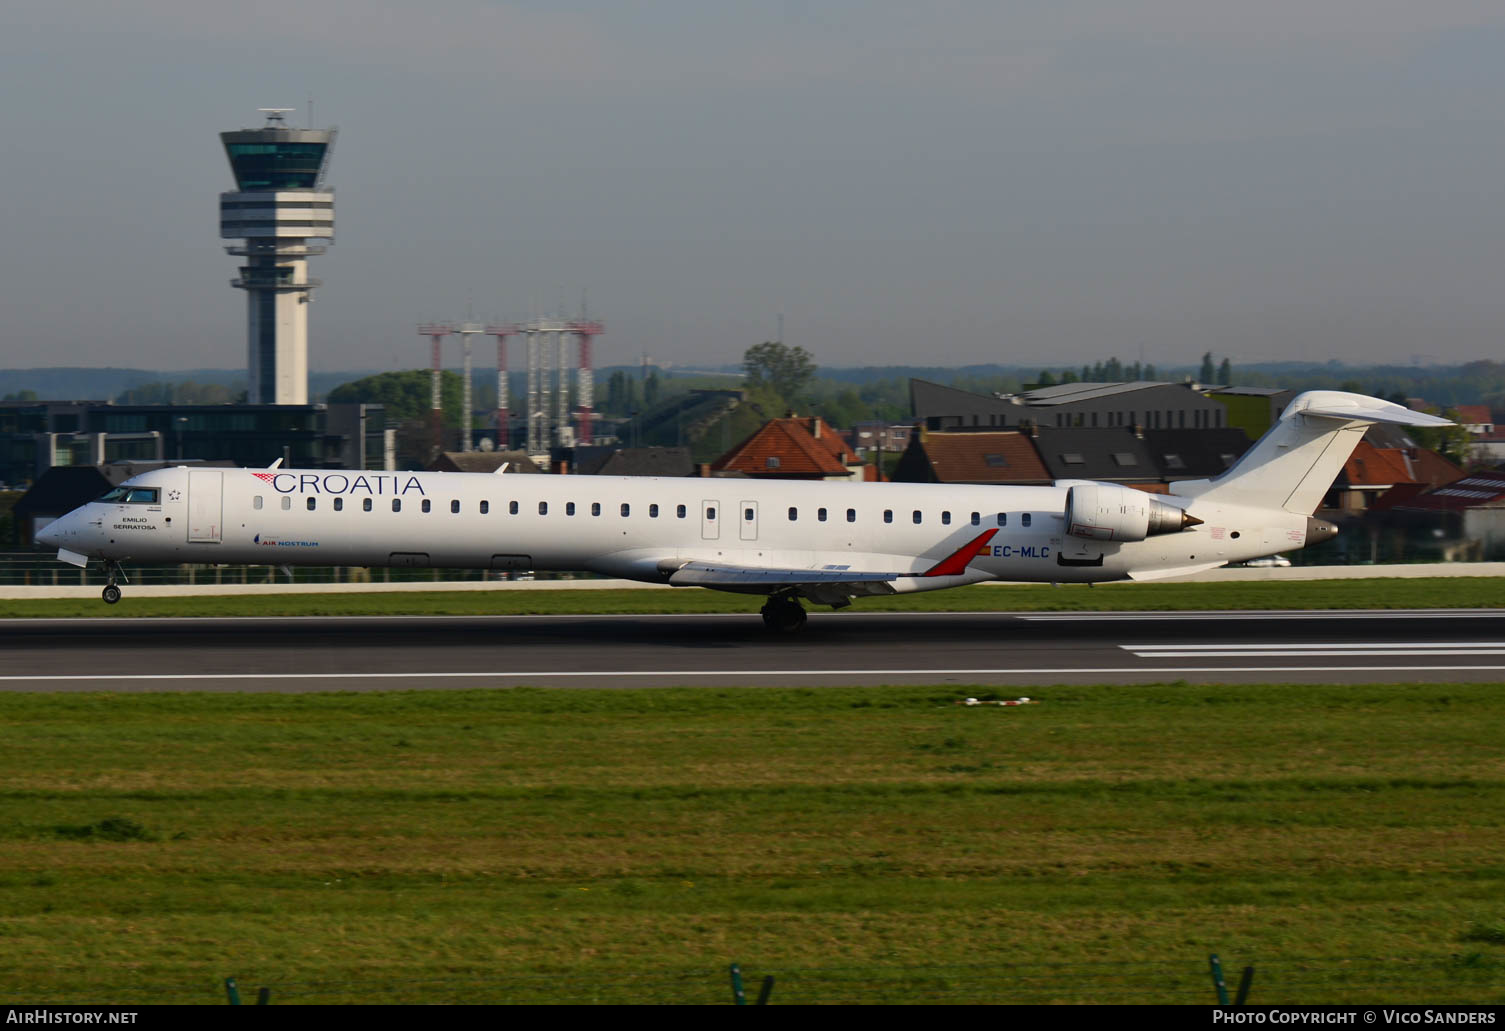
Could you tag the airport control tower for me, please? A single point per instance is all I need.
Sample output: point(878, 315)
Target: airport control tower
point(280, 203)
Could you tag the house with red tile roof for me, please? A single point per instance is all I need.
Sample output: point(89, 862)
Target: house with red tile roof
point(795, 448)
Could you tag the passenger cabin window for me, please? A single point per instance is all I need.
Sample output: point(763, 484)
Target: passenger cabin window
point(945, 518)
point(512, 508)
point(1003, 519)
point(1024, 519)
point(543, 508)
point(485, 507)
point(710, 512)
point(851, 515)
point(976, 518)
point(820, 514)
point(287, 503)
point(569, 508)
point(748, 513)
point(312, 503)
point(454, 506)
point(679, 512)
point(888, 515)
point(339, 504)
point(426, 505)
point(365, 504)
point(652, 511)
point(595, 508)
point(397, 504)
point(256, 502)
point(626, 510)
point(917, 517)
point(794, 513)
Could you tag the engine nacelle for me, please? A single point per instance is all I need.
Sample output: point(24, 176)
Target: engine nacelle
point(1113, 512)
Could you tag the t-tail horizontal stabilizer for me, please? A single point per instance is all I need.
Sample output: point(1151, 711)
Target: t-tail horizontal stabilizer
point(1292, 466)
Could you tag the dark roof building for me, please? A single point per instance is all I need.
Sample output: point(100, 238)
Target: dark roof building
point(645, 461)
point(484, 462)
point(1195, 454)
point(1007, 456)
point(1111, 455)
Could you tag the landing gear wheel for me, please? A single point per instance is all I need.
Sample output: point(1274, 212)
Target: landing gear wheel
point(784, 615)
point(113, 572)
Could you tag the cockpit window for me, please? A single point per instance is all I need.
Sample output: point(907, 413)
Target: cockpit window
point(134, 495)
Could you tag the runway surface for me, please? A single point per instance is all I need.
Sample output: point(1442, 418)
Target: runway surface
point(451, 652)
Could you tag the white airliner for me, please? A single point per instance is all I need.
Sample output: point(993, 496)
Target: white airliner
point(786, 539)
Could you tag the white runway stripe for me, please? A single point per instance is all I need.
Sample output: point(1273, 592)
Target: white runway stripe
point(749, 674)
point(1382, 649)
point(1286, 615)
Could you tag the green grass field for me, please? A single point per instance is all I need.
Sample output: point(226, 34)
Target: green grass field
point(1431, 592)
point(860, 844)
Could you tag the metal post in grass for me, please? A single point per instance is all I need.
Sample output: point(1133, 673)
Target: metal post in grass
point(1217, 979)
point(765, 991)
point(1243, 987)
point(232, 992)
point(738, 995)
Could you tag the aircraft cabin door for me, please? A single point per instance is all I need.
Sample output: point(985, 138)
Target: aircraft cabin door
point(710, 527)
point(205, 506)
point(749, 521)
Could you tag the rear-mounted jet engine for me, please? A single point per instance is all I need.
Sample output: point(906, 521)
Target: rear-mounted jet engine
point(1112, 512)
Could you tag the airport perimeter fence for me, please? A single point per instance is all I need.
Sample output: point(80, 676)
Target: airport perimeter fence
point(1470, 978)
point(42, 569)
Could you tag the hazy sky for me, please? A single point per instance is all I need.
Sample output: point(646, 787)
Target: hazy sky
point(934, 183)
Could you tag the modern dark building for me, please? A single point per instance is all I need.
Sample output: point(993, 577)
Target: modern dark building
point(38, 435)
point(1148, 404)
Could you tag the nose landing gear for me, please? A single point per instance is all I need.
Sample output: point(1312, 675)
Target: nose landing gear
point(784, 614)
point(111, 593)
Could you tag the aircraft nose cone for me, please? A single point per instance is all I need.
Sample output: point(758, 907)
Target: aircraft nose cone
point(49, 536)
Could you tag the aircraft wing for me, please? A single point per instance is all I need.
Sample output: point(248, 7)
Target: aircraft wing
point(699, 573)
point(719, 574)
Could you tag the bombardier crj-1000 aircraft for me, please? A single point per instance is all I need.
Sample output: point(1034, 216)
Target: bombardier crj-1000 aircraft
point(786, 539)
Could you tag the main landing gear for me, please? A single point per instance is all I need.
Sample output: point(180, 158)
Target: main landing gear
point(111, 593)
point(784, 613)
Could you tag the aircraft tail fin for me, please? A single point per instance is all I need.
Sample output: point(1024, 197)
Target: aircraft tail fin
point(1292, 466)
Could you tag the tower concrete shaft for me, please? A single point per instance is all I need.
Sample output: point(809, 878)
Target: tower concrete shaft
point(280, 203)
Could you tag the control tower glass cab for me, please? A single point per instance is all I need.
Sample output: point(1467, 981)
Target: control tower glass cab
point(280, 203)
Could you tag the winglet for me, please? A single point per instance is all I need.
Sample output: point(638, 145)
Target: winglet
point(275, 464)
point(956, 563)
